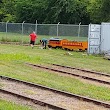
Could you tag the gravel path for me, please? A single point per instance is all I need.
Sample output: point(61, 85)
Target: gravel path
point(50, 97)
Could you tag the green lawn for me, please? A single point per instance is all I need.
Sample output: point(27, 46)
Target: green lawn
point(14, 37)
point(4, 105)
point(14, 57)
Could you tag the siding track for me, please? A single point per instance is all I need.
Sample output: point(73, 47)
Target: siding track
point(83, 100)
point(90, 75)
point(88, 71)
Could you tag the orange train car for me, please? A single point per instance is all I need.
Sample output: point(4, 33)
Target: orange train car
point(65, 44)
point(75, 45)
point(56, 42)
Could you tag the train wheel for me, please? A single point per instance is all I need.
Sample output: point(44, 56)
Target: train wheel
point(85, 49)
point(49, 46)
point(80, 49)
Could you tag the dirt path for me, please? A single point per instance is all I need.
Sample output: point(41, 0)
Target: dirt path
point(69, 103)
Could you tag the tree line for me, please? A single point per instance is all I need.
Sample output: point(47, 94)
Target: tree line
point(54, 11)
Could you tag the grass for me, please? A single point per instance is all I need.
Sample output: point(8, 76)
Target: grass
point(4, 105)
point(13, 59)
point(14, 37)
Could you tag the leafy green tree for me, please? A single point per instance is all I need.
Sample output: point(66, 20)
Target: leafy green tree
point(52, 11)
point(1, 12)
point(30, 11)
point(8, 10)
point(66, 11)
point(99, 11)
point(94, 10)
point(105, 10)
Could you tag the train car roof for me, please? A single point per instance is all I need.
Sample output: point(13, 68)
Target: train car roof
point(55, 39)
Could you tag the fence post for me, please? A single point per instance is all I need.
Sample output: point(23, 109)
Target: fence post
point(57, 28)
point(22, 26)
point(36, 27)
point(6, 30)
point(79, 29)
point(7, 26)
point(22, 32)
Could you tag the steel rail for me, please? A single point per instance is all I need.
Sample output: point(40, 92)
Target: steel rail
point(97, 102)
point(88, 71)
point(81, 76)
point(32, 100)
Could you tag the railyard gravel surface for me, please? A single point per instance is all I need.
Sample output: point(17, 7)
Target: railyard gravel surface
point(47, 96)
point(22, 102)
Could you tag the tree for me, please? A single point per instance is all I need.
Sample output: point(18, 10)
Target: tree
point(105, 10)
point(66, 11)
point(8, 10)
point(29, 10)
point(46, 11)
point(99, 11)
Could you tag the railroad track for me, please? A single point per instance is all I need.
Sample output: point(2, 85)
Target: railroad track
point(99, 77)
point(72, 98)
point(88, 71)
point(35, 101)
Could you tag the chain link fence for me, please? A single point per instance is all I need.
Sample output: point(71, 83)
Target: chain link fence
point(19, 32)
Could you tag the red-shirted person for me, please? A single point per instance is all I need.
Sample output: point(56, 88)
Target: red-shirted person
point(33, 38)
